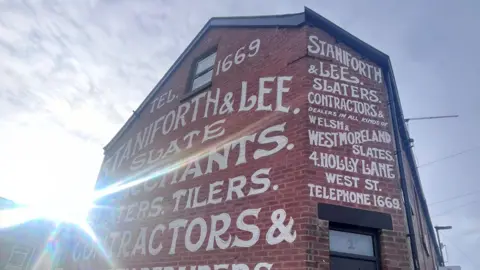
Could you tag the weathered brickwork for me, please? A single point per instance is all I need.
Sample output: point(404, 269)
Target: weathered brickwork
point(232, 182)
point(24, 245)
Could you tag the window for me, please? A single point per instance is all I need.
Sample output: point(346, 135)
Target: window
point(18, 258)
point(203, 72)
point(352, 243)
point(353, 249)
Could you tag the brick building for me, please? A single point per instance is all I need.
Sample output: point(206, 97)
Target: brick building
point(273, 142)
point(33, 244)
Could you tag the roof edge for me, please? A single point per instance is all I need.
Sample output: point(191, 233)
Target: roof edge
point(286, 20)
point(308, 16)
point(156, 88)
point(349, 39)
point(417, 184)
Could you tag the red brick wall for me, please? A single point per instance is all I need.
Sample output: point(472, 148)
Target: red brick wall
point(424, 240)
point(264, 192)
point(272, 183)
point(372, 189)
point(30, 241)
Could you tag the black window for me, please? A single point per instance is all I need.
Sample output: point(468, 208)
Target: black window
point(203, 72)
point(353, 249)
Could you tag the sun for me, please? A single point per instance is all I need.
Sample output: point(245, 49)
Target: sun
point(73, 211)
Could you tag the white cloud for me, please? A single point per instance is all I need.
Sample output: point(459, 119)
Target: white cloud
point(71, 72)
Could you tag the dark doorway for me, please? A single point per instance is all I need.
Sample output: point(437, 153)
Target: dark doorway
point(339, 263)
point(353, 249)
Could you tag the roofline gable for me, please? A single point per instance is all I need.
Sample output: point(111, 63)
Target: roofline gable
point(311, 18)
point(341, 35)
point(308, 17)
point(287, 20)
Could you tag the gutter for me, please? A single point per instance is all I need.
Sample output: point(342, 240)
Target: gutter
point(405, 138)
point(403, 180)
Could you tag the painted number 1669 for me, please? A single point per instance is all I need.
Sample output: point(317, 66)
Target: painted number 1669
point(237, 58)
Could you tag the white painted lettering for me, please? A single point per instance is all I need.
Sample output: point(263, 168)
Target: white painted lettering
point(216, 233)
point(200, 222)
point(352, 106)
point(316, 47)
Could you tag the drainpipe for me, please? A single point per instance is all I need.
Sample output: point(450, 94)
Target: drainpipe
point(401, 168)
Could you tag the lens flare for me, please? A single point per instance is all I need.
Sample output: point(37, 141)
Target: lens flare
point(76, 212)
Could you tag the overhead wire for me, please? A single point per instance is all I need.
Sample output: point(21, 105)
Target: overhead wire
point(455, 197)
point(449, 156)
point(459, 206)
point(463, 253)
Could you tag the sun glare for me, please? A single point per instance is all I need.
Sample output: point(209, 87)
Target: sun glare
point(72, 211)
point(75, 213)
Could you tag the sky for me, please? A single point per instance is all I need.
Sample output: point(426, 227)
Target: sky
point(72, 72)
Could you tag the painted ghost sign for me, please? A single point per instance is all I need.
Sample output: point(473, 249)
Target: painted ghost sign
point(230, 176)
point(205, 180)
point(349, 132)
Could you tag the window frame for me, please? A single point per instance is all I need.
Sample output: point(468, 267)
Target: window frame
point(18, 249)
point(189, 92)
point(373, 233)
